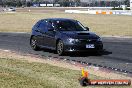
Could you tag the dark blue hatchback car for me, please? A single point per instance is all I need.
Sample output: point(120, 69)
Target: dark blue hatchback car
point(64, 35)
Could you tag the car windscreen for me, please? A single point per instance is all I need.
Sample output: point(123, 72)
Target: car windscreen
point(67, 25)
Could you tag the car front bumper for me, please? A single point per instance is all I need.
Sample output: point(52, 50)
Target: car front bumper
point(82, 47)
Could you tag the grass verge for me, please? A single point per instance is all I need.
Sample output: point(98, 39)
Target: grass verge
point(101, 24)
point(16, 73)
point(31, 71)
point(22, 74)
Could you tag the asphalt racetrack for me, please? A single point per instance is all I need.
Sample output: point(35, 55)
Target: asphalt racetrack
point(117, 54)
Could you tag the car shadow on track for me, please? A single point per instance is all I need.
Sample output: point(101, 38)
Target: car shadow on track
point(80, 54)
point(87, 54)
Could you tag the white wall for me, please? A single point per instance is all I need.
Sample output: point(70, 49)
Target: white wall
point(131, 4)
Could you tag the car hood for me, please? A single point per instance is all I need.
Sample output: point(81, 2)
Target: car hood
point(80, 34)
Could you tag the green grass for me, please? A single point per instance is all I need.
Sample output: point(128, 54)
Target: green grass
point(22, 74)
point(101, 24)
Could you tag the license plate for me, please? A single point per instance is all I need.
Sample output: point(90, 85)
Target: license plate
point(90, 46)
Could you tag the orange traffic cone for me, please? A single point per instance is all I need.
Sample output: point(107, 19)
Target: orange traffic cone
point(84, 73)
point(84, 81)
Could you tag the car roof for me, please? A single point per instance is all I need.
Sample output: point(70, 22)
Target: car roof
point(59, 19)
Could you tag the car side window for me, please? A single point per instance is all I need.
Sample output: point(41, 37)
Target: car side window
point(50, 25)
point(43, 26)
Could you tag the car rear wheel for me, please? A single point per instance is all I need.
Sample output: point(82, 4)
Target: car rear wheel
point(60, 48)
point(33, 43)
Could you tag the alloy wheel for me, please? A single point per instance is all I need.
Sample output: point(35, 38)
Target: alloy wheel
point(60, 48)
point(34, 43)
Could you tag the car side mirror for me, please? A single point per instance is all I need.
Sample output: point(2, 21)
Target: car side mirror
point(87, 28)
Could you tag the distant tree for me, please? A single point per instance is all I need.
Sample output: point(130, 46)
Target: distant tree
point(10, 3)
point(65, 3)
point(96, 3)
point(77, 2)
point(19, 3)
point(107, 3)
point(102, 3)
point(23, 2)
point(56, 1)
point(0, 2)
point(28, 4)
point(35, 0)
point(127, 2)
point(113, 3)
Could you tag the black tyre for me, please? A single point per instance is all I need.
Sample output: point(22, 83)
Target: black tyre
point(60, 48)
point(84, 81)
point(33, 43)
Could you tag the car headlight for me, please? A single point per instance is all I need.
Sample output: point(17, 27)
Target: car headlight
point(71, 40)
point(99, 39)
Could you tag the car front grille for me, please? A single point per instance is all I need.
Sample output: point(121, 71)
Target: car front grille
point(88, 40)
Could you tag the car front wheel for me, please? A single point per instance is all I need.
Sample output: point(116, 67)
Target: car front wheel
point(60, 48)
